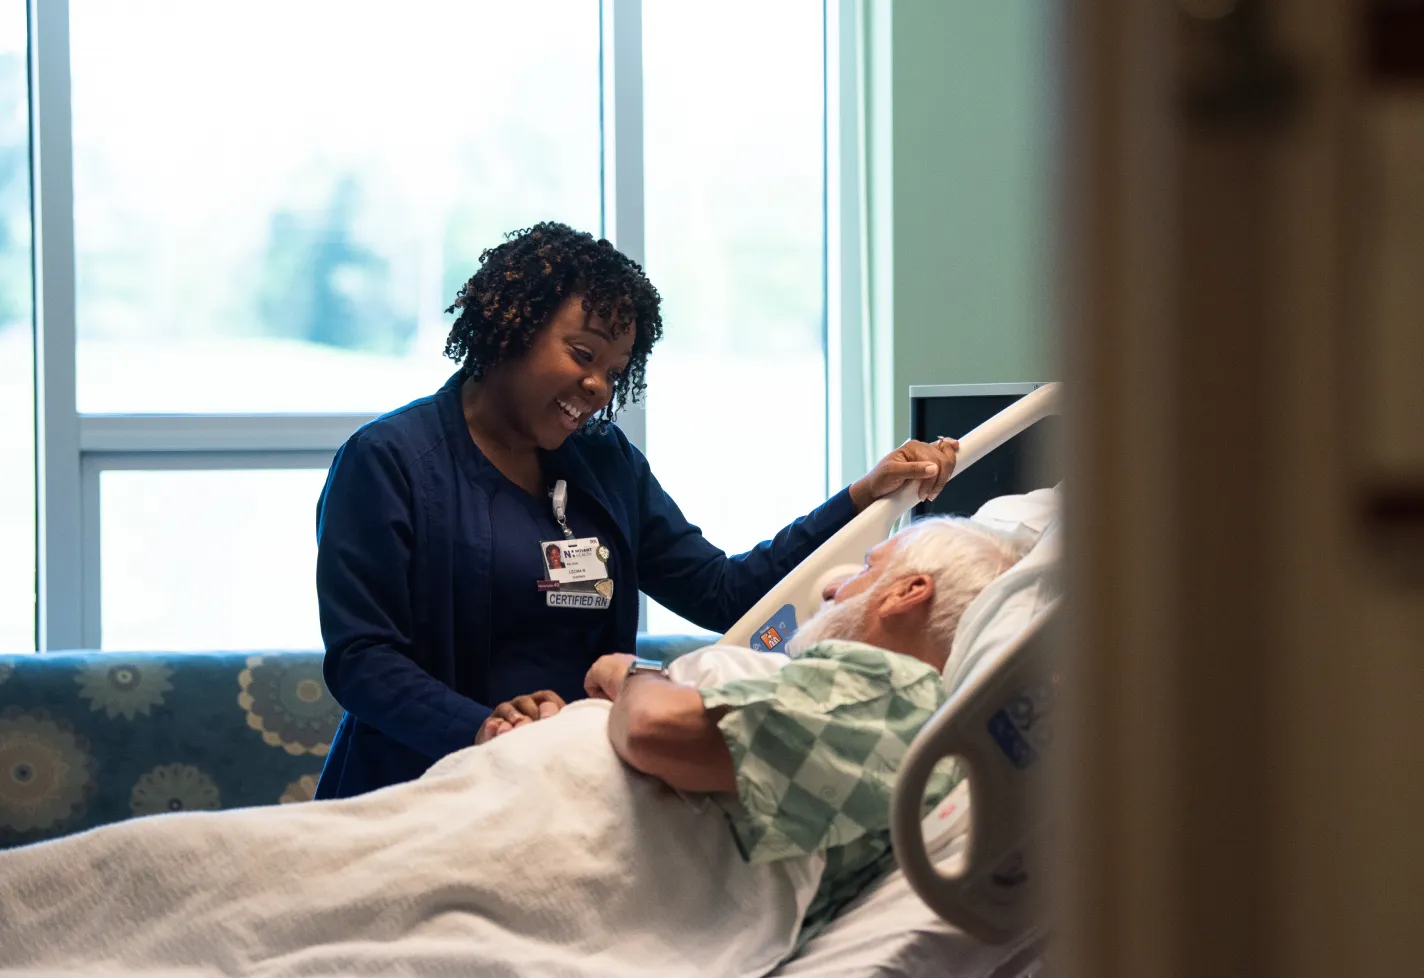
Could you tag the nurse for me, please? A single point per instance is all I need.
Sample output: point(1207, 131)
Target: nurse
point(480, 548)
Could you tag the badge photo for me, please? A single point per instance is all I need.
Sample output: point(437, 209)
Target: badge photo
point(553, 559)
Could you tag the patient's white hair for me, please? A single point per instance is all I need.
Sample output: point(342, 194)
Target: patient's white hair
point(961, 557)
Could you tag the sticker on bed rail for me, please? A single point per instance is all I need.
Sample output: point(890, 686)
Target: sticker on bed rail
point(775, 630)
point(1021, 727)
point(1010, 741)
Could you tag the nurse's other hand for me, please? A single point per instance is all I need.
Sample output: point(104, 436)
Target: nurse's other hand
point(534, 706)
point(490, 729)
point(519, 711)
point(605, 677)
point(928, 463)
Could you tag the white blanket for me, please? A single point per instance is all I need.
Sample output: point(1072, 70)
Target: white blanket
point(540, 853)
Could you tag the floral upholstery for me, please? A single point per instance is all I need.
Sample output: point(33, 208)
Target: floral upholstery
point(88, 738)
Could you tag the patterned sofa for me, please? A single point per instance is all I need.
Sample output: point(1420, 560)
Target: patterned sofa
point(88, 738)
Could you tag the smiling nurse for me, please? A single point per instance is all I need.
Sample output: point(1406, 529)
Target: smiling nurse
point(480, 548)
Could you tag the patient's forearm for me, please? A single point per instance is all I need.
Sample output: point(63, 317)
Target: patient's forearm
point(662, 729)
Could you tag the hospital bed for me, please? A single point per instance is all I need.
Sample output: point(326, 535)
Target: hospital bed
point(966, 899)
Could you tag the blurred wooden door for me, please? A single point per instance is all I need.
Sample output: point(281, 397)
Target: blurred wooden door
point(1242, 271)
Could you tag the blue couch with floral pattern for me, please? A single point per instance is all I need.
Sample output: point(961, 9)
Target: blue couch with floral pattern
point(88, 738)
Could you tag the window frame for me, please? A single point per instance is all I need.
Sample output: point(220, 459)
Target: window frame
point(73, 448)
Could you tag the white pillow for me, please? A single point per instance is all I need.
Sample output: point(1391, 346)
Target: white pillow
point(1006, 607)
point(1025, 516)
point(888, 929)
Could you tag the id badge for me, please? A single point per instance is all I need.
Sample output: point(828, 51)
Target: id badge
point(576, 573)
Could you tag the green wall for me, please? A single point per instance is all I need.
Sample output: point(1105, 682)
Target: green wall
point(968, 217)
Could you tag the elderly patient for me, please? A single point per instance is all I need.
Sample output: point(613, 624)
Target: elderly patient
point(704, 820)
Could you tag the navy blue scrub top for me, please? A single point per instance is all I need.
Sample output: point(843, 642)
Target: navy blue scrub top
point(533, 646)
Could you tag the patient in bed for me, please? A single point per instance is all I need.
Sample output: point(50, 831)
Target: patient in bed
point(702, 820)
point(804, 760)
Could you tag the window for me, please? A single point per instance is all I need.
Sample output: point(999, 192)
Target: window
point(273, 203)
point(286, 239)
point(220, 559)
point(735, 155)
point(17, 392)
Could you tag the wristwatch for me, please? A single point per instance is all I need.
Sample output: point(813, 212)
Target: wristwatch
point(638, 666)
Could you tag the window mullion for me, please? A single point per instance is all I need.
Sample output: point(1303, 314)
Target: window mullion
point(59, 552)
point(622, 109)
point(848, 441)
point(217, 432)
point(623, 216)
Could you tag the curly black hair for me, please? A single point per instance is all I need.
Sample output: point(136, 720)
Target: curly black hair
point(521, 283)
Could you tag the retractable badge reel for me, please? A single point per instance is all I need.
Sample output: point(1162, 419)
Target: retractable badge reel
point(560, 496)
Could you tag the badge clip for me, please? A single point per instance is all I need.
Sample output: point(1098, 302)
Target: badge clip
point(560, 495)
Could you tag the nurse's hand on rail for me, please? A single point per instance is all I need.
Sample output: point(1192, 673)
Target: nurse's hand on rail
point(519, 711)
point(929, 463)
point(605, 677)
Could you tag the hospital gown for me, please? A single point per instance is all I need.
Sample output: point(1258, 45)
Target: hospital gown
point(816, 748)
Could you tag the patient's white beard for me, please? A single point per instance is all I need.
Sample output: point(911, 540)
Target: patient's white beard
point(843, 620)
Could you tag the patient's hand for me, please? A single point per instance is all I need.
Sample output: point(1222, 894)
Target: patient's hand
point(605, 678)
point(519, 711)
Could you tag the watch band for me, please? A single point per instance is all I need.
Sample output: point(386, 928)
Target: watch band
point(646, 665)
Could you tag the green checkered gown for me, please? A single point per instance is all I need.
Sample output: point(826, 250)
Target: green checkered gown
point(816, 748)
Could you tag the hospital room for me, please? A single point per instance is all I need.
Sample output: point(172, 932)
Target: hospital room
point(962, 462)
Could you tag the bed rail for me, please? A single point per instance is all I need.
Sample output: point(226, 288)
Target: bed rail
point(999, 726)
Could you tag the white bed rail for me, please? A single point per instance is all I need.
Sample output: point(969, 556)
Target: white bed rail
point(797, 597)
point(998, 724)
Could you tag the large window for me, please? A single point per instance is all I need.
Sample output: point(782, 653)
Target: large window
point(286, 238)
point(271, 205)
point(735, 156)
